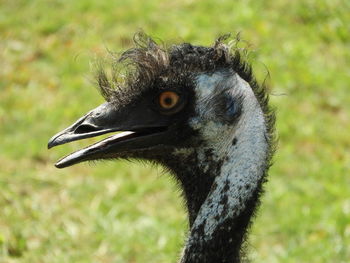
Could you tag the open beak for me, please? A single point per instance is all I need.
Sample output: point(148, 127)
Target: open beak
point(142, 128)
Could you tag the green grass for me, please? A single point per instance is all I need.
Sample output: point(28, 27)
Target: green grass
point(122, 212)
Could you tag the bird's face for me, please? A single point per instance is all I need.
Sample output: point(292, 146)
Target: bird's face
point(174, 112)
point(149, 124)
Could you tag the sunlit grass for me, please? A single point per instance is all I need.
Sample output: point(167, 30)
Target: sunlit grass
point(123, 212)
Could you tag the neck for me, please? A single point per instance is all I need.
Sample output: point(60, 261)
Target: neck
point(222, 195)
point(219, 218)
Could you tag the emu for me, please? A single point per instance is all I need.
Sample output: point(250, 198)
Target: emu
point(199, 112)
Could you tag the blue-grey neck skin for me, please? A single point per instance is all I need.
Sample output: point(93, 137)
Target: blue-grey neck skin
point(222, 178)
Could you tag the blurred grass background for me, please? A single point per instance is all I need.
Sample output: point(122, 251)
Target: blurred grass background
point(122, 212)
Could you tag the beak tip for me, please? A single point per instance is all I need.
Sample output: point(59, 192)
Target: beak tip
point(61, 164)
point(71, 159)
point(57, 139)
point(53, 141)
point(58, 165)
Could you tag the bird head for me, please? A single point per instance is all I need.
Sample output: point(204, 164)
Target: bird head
point(169, 102)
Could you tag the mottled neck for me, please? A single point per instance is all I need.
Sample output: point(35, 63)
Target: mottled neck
point(231, 178)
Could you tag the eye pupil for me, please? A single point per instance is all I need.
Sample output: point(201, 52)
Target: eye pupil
point(168, 101)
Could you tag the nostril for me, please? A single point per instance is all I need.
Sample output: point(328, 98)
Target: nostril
point(85, 128)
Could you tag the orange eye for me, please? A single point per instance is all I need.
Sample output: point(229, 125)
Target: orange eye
point(168, 100)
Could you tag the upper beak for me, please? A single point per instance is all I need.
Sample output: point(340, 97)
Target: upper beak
point(143, 128)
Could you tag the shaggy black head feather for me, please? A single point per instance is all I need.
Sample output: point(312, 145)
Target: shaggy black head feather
point(137, 68)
